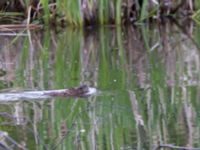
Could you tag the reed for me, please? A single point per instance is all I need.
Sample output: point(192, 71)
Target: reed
point(45, 5)
point(144, 11)
point(118, 11)
point(89, 12)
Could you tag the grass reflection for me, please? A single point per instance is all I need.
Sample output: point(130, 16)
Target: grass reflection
point(148, 80)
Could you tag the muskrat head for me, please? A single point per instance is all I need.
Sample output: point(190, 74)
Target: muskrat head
point(78, 91)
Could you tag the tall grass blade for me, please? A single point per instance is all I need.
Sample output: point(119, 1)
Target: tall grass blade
point(118, 12)
point(45, 5)
point(101, 11)
point(144, 10)
point(104, 13)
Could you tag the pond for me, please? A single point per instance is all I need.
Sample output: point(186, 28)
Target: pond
point(147, 79)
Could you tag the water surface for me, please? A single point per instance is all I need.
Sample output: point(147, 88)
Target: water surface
point(147, 77)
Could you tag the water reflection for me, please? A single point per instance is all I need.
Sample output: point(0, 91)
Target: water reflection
point(148, 77)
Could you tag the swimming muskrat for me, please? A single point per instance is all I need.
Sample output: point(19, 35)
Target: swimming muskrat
point(80, 91)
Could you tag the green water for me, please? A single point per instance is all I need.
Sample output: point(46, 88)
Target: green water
point(147, 77)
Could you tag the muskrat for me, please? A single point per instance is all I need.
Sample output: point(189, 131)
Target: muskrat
point(80, 91)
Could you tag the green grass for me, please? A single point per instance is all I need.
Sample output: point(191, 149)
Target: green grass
point(45, 5)
point(118, 12)
point(72, 12)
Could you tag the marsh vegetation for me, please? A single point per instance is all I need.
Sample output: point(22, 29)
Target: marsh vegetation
point(142, 56)
point(94, 12)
